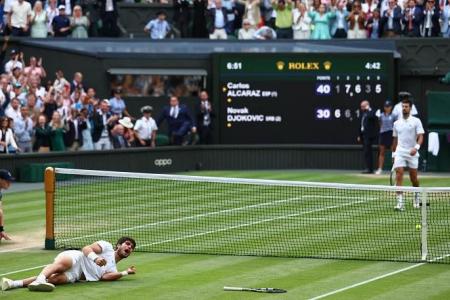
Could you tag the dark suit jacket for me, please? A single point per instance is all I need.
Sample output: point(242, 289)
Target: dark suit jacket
point(397, 27)
point(5, 104)
point(97, 122)
point(199, 116)
point(116, 142)
point(212, 18)
point(370, 123)
point(435, 16)
point(417, 20)
point(184, 119)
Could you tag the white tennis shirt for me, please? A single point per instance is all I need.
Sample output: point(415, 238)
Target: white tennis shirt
point(406, 131)
point(91, 271)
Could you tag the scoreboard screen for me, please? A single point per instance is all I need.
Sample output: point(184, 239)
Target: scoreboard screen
point(305, 98)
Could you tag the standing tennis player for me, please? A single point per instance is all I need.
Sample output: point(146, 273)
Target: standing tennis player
point(96, 262)
point(5, 182)
point(408, 137)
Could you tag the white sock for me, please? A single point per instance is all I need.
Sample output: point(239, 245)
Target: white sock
point(17, 284)
point(41, 278)
point(400, 199)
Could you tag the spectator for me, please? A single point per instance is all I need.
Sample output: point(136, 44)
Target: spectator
point(445, 17)
point(72, 135)
point(146, 128)
point(35, 68)
point(103, 121)
point(61, 83)
point(390, 21)
point(129, 133)
point(179, 121)
point(232, 12)
point(374, 25)
point(431, 27)
point(15, 61)
point(283, 20)
point(357, 20)
point(339, 27)
point(265, 33)
point(7, 141)
point(57, 131)
point(38, 21)
point(218, 16)
point(268, 14)
point(18, 93)
point(368, 7)
point(205, 116)
point(19, 18)
point(84, 127)
point(77, 82)
point(301, 22)
point(199, 27)
point(51, 11)
point(118, 137)
point(158, 27)
point(79, 23)
point(321, 21)
point(4, 95)
point(182, 16)
point(117, 104)
point(13, 110)
point(23, 128)
point(109, 15)
point(367, 134)
point(252, 12)
point(33, 109)
point(42, 135)
point(247, 31)
point(386, 128)
point(412, 19)
point(61, 23)
point(49, 105)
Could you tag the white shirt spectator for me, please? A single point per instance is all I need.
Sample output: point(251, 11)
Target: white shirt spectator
point(9, 140)
point(246, 34)
point(68, 9)
point(11, 64)
point(407, 130)
point(51, 13)
point(144, 128)
point(20, 11)
point(12, 113)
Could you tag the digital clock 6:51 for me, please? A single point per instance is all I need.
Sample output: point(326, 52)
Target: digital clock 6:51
point(234, 66)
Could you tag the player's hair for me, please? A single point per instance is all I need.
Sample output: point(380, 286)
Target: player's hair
point(125, 239)
point(407, 100)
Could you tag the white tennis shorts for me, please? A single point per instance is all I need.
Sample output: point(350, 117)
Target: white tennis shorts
point(406, 160)
point(74, 273)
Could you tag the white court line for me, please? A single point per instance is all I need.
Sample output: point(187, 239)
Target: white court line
point(23, 270)
point(376, 278)
point(15, 249)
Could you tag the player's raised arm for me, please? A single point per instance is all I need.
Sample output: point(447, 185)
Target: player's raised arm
point(111, 276)
point(92, 252)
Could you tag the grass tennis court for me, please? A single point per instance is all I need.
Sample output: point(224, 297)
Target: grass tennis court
point(188, 276)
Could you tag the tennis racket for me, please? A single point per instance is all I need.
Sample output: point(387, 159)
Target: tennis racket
point(256, 290)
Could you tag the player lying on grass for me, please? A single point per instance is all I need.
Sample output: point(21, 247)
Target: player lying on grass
point(96, 262)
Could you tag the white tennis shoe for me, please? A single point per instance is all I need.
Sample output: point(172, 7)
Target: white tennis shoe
point(7, 284)
point(399, 207)
point(41, 287)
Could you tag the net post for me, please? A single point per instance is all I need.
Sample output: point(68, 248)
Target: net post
point(424, 233)
point(49, 185)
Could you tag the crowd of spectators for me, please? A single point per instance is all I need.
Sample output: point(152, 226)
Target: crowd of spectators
point(242, 19)
point(310, 19)
point(41, 115)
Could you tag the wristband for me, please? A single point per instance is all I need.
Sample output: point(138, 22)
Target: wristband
point(393, 154)
point(93, 256)
point(417, 146)
point(124, 273)
point(2, 229)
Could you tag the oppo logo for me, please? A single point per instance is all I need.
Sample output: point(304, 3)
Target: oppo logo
point(162, 162)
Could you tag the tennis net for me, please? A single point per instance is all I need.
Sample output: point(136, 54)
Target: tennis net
point(235, 216)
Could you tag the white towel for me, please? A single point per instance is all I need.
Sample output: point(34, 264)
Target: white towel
point(433, 143)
